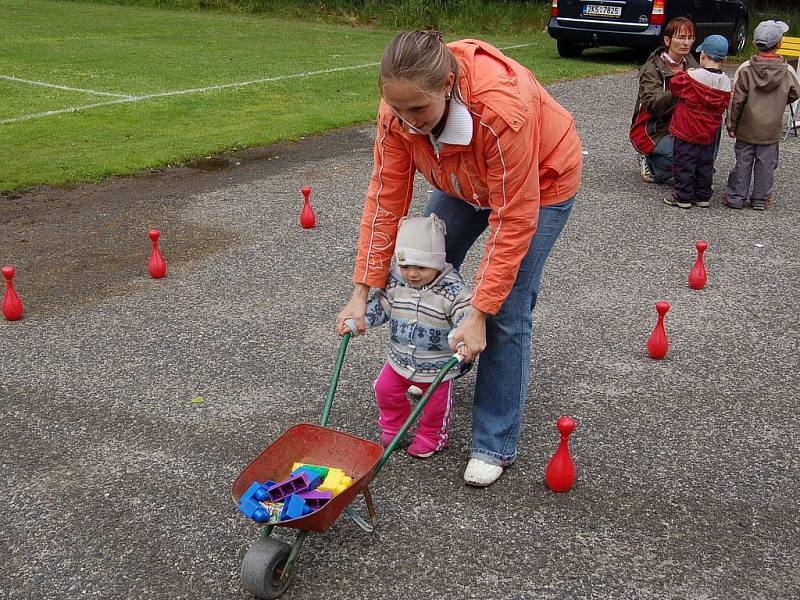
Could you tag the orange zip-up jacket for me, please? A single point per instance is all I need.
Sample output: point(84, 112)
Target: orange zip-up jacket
point(524, 152)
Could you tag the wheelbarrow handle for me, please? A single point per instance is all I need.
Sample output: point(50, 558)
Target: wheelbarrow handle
point(352, 325)
point(326, 409)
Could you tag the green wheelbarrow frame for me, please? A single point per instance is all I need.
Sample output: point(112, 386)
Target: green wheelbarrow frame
point(268, 565)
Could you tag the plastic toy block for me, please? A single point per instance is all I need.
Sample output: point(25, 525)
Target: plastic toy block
point(314, 478)
point(296, 483)
point(294, 507)
point(261, 493)
point(335, 482)
point(316, 499)
point(250, 507)
point(323, 471)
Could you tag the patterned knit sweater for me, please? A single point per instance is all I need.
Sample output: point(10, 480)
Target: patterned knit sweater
point(419, 321)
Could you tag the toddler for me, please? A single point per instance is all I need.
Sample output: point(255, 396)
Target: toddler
point(423, 301)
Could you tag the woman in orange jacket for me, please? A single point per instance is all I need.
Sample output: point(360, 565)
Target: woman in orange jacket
point(499, 152)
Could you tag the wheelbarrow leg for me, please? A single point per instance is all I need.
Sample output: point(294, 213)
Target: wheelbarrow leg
point(358, 519)
point(267, 531)
point(298, 543)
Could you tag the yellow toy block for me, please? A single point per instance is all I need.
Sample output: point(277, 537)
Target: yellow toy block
point(336, 482)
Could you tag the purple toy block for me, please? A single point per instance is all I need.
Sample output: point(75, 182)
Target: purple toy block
point(314, 477)
point(297, 483)
point(316, 499)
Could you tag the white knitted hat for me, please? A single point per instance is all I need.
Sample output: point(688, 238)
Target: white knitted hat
point(420, 242)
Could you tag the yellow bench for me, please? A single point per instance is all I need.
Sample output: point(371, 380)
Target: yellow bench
point(790, 47)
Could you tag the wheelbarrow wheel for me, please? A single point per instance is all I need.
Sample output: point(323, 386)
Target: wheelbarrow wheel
point(263, 566)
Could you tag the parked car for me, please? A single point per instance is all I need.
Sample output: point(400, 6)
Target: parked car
point(580, 24)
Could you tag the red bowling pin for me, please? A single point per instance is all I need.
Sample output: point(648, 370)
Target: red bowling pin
point(156, 265)
point(698, 277)
point(307, 218)
point(12, 305)
point(560, 472)
point(657, 343)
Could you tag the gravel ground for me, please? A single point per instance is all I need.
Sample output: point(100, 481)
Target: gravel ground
point(117, 485)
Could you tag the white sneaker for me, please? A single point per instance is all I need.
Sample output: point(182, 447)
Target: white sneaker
point(480, 473)
point(644, 169)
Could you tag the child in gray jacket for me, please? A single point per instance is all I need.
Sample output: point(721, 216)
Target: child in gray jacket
point(762, 87)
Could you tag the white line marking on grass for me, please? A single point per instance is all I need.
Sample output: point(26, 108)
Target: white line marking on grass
point(63, 87)
point(210, 88)
point(61, 111)
point(222, 86)
point(515, 47)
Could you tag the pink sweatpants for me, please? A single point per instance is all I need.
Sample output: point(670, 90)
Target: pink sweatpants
point(394, 407)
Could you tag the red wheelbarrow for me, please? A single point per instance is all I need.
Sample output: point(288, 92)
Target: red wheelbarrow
point(268, 565)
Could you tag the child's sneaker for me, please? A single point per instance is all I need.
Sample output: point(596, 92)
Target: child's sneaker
point(730, 204)
point(673, 201)
point(387, 438)
point(644, 169)
point(420, 448)
point(702, 203)
point(760, 204)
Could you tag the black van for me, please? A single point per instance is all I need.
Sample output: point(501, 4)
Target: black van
point(579, 24)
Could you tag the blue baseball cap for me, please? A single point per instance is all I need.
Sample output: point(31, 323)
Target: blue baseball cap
point(714, 46)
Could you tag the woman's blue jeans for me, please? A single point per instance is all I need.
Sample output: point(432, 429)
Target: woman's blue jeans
point(660, 160)
point(504, 367)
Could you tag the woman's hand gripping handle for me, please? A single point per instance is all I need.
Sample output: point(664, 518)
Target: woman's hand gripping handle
point(354, 310)
point(469, 338)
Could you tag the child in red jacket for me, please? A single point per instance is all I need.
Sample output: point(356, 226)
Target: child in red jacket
point(703, 95)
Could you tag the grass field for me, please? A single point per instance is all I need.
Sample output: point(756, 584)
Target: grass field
point(140, 87)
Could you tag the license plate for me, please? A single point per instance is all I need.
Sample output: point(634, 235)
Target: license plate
point(601, 10)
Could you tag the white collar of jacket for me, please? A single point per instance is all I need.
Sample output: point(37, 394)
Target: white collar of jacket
point(458, 128)
point(667, 58)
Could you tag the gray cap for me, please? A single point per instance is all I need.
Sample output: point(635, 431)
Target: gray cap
point(768, 34)
point(420, 242)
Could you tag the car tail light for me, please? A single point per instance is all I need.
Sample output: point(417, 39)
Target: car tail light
point(659, 11)
point(554, 9)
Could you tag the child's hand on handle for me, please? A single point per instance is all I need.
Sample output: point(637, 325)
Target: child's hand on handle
point(355, 309)
point(469, 338)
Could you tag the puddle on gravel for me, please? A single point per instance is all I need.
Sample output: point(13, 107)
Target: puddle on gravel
point(213, 163)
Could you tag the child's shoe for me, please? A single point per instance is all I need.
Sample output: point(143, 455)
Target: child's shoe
point(760, 204)
point(673, 201)
point(421, 448)
point(730, 204)
point(702, 203)
point(386, 438)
